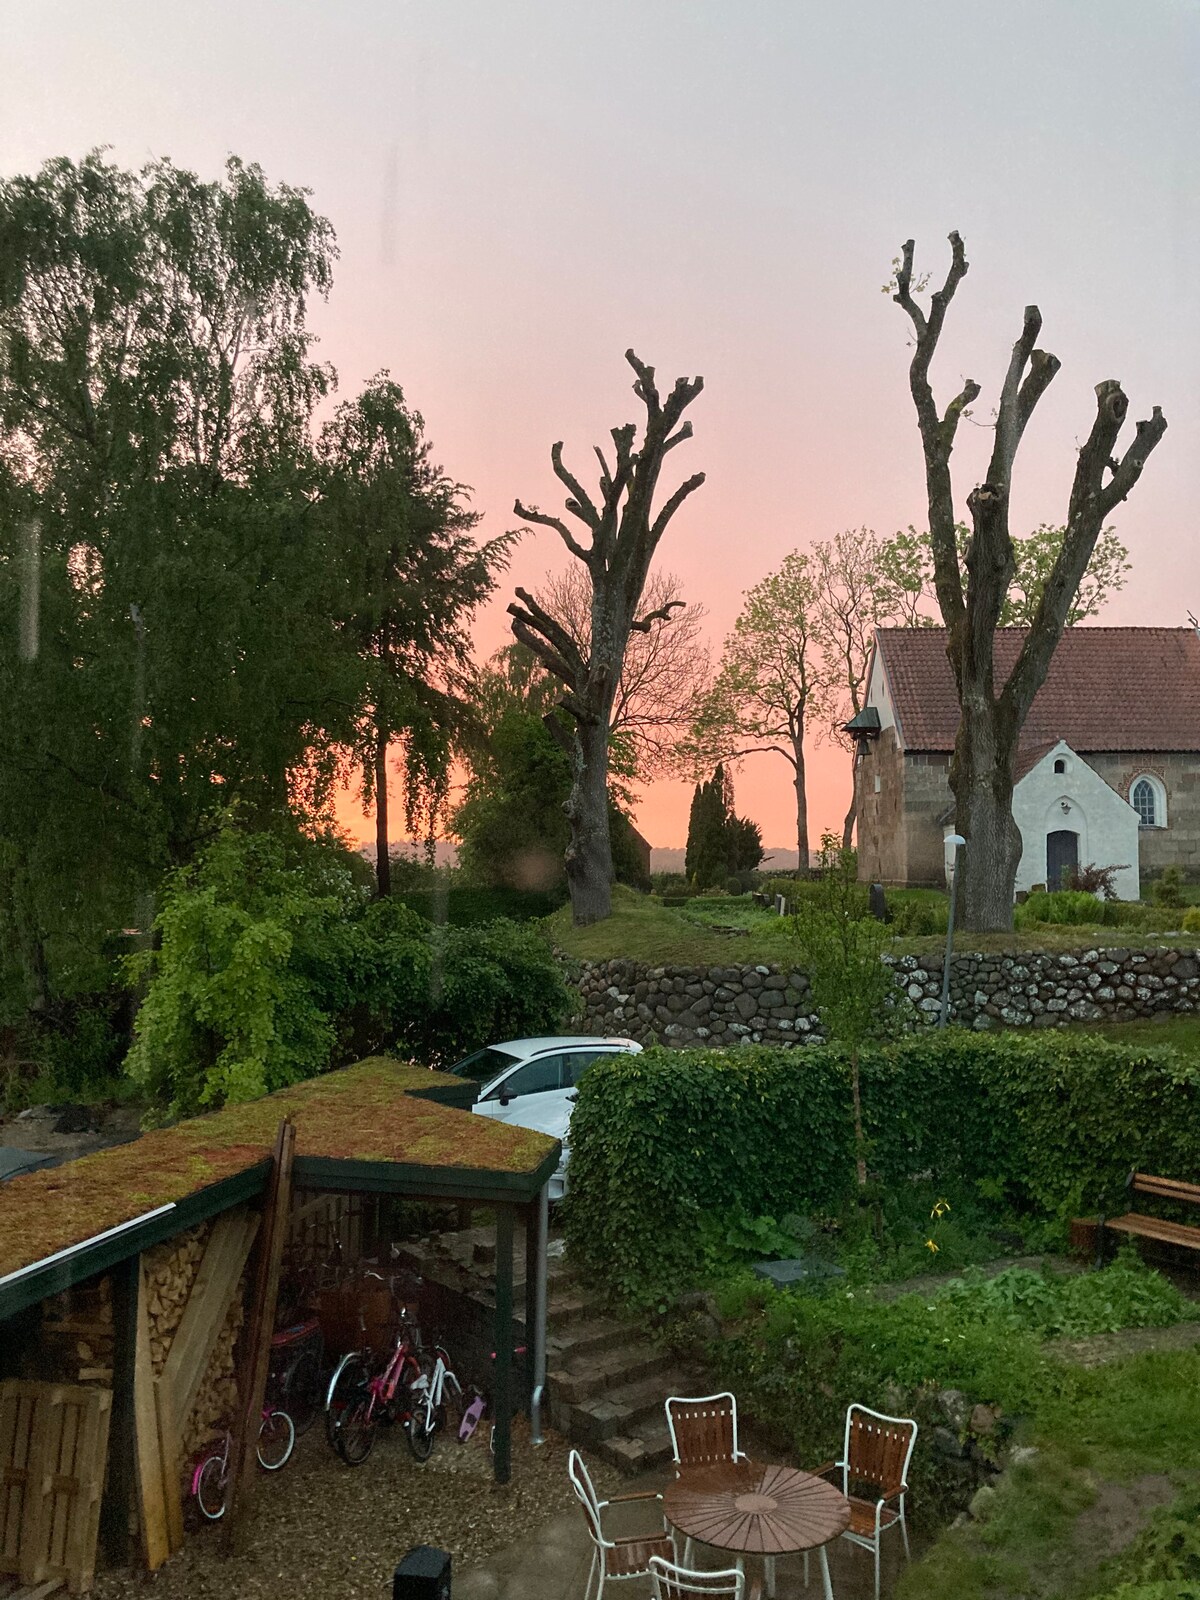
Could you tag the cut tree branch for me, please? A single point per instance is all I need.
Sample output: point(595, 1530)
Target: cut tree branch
point(663, 614)
point(532, 514)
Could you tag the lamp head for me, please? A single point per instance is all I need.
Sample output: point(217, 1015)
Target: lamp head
point(956, 840)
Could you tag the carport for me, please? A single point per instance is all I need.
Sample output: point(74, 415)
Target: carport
point(378, 1128)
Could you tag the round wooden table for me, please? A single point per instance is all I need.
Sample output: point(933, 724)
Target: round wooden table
point(751, 1509)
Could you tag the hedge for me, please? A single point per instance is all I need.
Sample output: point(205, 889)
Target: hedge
point(661, 1139)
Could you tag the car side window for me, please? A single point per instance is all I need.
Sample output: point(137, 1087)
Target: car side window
point(577, 1063)
point(535, 1077)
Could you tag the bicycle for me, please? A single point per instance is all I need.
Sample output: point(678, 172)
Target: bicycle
point(294, 1382)
point(362, 1393)
point(440, 1404)
point(274, 1446)
point(480, 1404)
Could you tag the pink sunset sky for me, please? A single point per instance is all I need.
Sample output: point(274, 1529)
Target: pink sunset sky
point(523, 190)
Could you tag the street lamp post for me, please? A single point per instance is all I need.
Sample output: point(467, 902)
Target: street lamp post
point(957, 841)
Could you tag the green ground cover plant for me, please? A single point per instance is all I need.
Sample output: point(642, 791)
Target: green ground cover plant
point(1096, 1437)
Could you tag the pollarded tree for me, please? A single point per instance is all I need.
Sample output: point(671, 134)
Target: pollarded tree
point(770, 681)
point(623, 530)
point(981, 771)
point(665, 675)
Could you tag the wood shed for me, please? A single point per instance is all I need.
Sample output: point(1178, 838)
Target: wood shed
point(191, 1193)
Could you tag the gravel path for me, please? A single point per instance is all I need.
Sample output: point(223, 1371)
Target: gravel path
point(330, 1532)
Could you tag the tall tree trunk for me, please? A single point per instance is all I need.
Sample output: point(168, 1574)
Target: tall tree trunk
point(383, 859)
point(589, 853)
point(801, 805)
point(981, 778)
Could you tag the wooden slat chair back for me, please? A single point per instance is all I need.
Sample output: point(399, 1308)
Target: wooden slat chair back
point(670, 1582)
point(704, 1430)
point(621, 1558)
point(878, 1449)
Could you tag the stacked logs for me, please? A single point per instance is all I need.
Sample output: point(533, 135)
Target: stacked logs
point(77, 1333)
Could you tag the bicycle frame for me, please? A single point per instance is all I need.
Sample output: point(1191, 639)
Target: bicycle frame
point(434, 1385)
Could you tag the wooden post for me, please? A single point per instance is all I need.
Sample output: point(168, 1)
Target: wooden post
point(254, 1358)
point(119, 1493)
point(151, 1486)
point(504, 1340)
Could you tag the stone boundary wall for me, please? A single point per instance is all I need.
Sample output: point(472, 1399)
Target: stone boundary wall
point(717, 1006)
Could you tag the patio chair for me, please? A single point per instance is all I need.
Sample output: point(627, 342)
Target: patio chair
point(704, 1431)
point(670, 1582)
point(875, 1455)
point(615, 1559)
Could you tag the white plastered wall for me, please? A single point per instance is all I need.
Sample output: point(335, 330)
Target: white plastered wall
point(1106, 824)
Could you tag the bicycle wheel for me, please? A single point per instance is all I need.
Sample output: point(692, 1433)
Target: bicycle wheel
point(303, 1393)
point(276, 1441)
point(419, 1429)
point(350, 1379)
point(211, 1484)
point(356, 1431)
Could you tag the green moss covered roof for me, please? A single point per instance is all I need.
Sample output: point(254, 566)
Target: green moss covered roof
point(365, 1113)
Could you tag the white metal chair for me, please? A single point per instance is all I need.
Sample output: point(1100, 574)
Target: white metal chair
point(670, 1582)
point(704, 1431)
point(876, 1453)
point(615, 1559)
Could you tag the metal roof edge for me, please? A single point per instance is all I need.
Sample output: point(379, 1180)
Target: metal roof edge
point(411, 1178)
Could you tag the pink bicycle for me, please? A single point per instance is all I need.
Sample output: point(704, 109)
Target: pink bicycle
point(210, 1481)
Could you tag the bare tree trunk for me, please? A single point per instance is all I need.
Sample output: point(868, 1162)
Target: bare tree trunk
point(589, 853)
point(801, 805)
point(852, 813)
point(981, 779)
point(383, 859)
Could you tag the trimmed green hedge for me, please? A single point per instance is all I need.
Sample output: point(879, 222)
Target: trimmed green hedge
point(661, 1139)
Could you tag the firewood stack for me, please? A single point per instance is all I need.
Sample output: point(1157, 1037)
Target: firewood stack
point(77, 1333)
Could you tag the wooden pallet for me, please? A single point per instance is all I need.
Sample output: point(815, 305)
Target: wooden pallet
point(53, 1448)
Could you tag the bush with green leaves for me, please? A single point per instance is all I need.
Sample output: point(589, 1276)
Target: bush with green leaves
point(273, 964)
point(663, 1139)
point(1167, 890)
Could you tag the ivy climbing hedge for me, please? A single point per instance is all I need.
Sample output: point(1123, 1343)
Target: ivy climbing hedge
point(660, 1141)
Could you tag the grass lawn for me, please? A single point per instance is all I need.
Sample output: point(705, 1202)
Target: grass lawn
point(1109, 1499)
point(642, 929)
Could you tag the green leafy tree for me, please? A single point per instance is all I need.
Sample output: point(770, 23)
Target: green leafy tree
point(409, 578)
point(770, 681)
point(841, 946)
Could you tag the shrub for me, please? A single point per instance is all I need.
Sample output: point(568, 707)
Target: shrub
point(468, 904)
point(1168, 888)
point(275, 965)
point(1093, 880)
point(1191, 920)
point(662, 1139)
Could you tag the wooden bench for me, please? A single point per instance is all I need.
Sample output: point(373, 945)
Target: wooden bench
point(1134, 1222)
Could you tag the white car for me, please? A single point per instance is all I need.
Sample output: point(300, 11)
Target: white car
point(531, 1082)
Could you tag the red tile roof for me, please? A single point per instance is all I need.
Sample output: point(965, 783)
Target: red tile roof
point(1109, 689)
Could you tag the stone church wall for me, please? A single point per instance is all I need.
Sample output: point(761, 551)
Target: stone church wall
point(719, 1006)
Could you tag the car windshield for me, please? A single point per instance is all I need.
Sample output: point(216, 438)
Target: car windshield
point(483, 1064)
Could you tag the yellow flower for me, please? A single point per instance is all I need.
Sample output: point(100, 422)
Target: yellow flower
point(931, 1247)
point(940, 1209)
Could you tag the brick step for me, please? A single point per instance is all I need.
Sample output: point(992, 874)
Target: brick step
point(569, 1303)
point(620, 1410)
point(595, 1376)
point(589, 1337)
point(637, 1452)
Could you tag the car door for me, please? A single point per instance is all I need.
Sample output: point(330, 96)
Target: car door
point(527, 1095)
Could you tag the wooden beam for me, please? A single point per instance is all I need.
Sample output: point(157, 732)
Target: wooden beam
point(150, 1485)
point(120, 1486)
point(208, 1305)
point(255, 1354)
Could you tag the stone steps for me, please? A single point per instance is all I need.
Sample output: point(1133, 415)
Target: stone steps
point(634, 1409)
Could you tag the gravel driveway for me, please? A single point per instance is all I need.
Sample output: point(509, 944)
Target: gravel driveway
point(331, 1532)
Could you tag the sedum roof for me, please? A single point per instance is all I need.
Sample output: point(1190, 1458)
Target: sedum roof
point(369, 1114)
